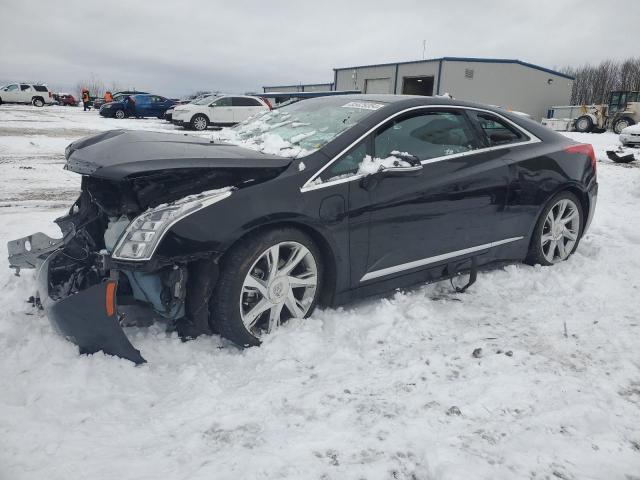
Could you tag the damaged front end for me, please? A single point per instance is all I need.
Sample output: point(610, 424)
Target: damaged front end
point(89, 294)
point(104, 272)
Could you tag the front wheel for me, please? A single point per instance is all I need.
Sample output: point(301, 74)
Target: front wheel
point(264, 281)
point(199, 122)
point(119, 114)
point(558, 230)
point(621, 124)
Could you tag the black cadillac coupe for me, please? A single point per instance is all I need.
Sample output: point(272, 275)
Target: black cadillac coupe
point(316, 203)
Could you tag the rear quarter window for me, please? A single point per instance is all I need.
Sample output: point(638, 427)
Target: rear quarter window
point(497, 131)
point(40, 88)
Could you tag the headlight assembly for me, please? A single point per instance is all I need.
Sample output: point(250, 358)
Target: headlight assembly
point(141, 238)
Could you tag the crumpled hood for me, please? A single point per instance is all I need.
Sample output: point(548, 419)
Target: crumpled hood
point(117, 154)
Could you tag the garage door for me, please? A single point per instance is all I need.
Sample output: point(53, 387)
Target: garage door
point(377, 85)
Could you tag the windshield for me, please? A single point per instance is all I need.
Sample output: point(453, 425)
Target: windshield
point(205, 100)
point(299, 129)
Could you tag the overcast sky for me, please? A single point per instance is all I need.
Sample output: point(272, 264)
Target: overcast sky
point(175, 47)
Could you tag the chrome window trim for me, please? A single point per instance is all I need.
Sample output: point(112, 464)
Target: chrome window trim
point(310, 185)
point(437, 258)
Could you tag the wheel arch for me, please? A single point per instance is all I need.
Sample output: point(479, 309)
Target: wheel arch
point(327, 250)
point(580, 193)
point(200, 114)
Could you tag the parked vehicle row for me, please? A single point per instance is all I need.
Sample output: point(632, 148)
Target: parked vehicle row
point(366, 194)
point(35, 94)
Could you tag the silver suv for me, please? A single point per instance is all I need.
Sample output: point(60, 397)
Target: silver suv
point(37, 95)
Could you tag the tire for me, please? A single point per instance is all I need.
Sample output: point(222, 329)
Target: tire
point(235, 296)
point(37, 102)
point(119, 114)
point(0, 101)
point(544, 237)
point(584, 124)
point(199, 122)
point(622, 123)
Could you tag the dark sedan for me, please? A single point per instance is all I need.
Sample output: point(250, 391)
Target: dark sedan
point(146, 105)
point(317, 203)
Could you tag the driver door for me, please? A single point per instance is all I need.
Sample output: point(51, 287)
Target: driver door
point(407, 223)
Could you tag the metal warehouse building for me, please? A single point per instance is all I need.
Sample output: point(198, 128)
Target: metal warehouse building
point(507, 83)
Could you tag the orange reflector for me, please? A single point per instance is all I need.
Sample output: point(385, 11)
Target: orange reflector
point(110, 298)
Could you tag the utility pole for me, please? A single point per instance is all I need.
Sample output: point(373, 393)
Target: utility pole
point(424, 49)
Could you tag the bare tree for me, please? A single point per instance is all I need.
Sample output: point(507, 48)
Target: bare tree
point(593, 83)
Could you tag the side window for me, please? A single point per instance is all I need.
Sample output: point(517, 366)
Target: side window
point(427, 135)
point(40, 88)
point(24, 87)
point(346, 165)
point(498, 131)
point(222, 102)
point(11, 88)
point(140, 99)
point(244, 102)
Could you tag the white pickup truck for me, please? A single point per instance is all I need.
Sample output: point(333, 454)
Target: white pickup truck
point(37, 95)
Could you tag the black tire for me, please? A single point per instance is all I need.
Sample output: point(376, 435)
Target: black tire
point(536, 255)
point(622, 123)
point(37, 102)
point(0, 101)
point(225, 300)
point(199, 122)
point(584, 124)
point(119, 114)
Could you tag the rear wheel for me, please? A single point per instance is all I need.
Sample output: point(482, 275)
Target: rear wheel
point(199, 122)
point(264, 281)
point(119, 114)
point(38, 102)
point(584, 124)
point(558, 230)
point(622, 123)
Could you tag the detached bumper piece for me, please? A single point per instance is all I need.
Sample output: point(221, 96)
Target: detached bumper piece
point(621, 155)
point(81, 307)
point(90, 320)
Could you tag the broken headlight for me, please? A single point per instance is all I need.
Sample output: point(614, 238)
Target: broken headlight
point(141, 238)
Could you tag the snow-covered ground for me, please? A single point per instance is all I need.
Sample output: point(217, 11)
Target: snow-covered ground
point(383, 389)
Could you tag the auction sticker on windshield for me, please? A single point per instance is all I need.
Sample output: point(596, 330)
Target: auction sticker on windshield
point(364, 105)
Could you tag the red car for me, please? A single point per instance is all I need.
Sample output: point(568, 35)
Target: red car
point(66, 99)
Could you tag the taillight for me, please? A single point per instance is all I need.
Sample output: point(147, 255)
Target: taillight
point(265, 100)
point(49, 94)
point(585, 149)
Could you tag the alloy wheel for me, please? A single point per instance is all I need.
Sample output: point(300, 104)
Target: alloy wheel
point(560, 231)
point(281, 284)
point(119, 114)
point(199, 123)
